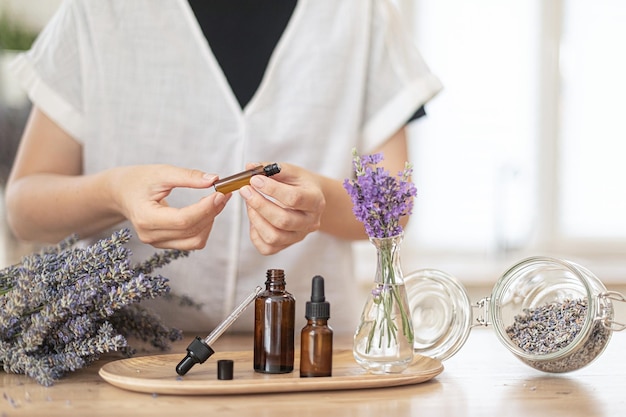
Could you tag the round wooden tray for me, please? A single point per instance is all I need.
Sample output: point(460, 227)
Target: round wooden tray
point(157, 375)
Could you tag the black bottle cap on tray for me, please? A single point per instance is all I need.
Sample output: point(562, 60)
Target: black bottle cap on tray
point(225, 369)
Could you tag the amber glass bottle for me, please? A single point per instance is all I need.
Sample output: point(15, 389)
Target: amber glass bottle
point(316, 338)
point(274, 318)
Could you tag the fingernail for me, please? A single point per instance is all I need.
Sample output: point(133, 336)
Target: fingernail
point(219, 199)
point(258, 181)
point(209, 177)
point(245, 192)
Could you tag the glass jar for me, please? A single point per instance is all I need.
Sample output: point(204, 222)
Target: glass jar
point(554, 315)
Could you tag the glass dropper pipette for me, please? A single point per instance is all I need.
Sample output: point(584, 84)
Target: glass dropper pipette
point(200, 350)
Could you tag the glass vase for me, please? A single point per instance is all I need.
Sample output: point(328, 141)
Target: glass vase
point(383, 342)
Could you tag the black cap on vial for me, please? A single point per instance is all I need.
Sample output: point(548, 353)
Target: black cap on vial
point(318, 307)
point(271, 169)
point(225, 369)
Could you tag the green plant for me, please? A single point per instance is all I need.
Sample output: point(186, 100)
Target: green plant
point(14, 36)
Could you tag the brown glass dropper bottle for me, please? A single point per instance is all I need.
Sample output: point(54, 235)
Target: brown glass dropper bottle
point(316, 338)
point(274, 318)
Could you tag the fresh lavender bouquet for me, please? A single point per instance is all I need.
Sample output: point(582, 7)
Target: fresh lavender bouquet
point(379, 201)
point(63, 307)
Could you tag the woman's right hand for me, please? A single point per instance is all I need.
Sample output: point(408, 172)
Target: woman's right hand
point(48, 197)
point(140, 193)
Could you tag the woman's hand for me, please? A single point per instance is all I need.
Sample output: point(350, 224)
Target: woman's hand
point(140, 193)
point(298, 202)
point(48, 196)
point(284, 208)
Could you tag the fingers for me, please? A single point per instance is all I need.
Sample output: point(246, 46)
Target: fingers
point(269, 239)
point(186, 228)
point(281, 211)
point(143, 192)
point(189, 178)
point(288, 191)
point(284, 210)
point(283, 206)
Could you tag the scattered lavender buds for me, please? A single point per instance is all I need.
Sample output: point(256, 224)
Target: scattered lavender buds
point(63, 307)
point(553, 327)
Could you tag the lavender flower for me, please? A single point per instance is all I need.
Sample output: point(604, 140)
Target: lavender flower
point(379, 201)
point(63, 307)
point(142, 323)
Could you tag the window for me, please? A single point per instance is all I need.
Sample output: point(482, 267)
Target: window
point(521, 154)
point(593, 65)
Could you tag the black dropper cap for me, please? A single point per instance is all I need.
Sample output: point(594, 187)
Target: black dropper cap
point(318, 307)
point(197, 352)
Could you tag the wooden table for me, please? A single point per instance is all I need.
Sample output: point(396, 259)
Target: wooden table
point(482, 379)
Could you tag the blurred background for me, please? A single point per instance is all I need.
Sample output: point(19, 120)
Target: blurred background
point(520, 155)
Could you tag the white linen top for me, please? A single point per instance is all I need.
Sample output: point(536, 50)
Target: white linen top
point(135, 82)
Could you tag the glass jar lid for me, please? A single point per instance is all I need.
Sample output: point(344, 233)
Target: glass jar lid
point(440, 310)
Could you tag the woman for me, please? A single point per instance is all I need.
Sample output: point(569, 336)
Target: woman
point(138, 107)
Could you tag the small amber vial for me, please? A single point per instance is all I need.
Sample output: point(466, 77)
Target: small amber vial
point(236, 181)
point(274, 320)
point(316, 338)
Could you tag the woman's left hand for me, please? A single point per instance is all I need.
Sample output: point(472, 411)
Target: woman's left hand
point(284, 208)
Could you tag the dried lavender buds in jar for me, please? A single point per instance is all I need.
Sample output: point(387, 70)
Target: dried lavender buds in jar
point(553, 327)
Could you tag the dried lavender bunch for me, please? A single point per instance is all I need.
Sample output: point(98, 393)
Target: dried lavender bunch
point(142, 323)
point(63, 307)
